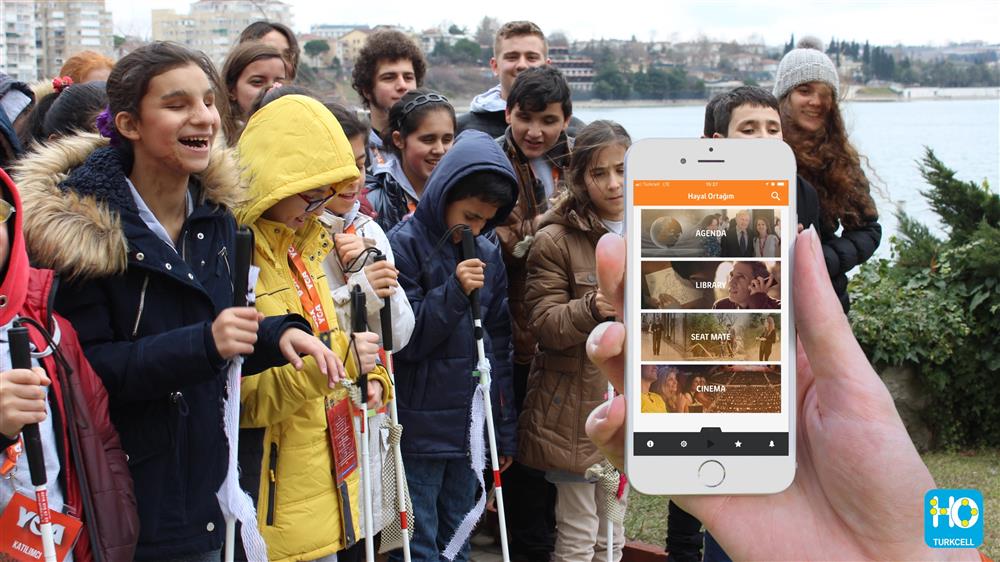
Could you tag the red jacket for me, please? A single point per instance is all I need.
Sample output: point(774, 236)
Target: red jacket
point(95, 480)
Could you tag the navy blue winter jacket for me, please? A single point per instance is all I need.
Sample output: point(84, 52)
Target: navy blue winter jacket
point(434, 382)
point(144, 314)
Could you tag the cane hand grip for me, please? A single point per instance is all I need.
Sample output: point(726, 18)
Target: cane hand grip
point(359, 315)
point(386, 315)
point(20, 358)
point(469, 253)
point(244, 257)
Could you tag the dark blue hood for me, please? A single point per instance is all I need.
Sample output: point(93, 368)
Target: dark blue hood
point(473, 151)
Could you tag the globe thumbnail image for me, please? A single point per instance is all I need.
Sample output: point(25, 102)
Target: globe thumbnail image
point(665, 232)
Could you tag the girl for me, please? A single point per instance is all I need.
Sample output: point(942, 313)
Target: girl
point(278, 36)
point(421, 130)
point(308, 509)
point(765, 244)
point(564, 305)
point(87, 66)
point(353, 232)
point(712, 244)
point(250, 69)
point(144, 244)
point(807, 88)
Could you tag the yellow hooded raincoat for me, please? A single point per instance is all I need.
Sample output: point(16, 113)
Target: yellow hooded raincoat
point(290, 146)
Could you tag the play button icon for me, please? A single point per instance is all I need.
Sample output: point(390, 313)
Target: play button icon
point(709, 443)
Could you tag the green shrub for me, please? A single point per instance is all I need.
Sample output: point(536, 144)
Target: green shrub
point(935, 305)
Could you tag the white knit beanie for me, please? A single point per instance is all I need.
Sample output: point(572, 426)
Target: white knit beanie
point(806, 63)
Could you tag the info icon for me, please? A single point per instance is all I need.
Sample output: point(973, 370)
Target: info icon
point(953, 518)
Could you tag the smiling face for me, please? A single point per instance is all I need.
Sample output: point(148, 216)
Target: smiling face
point(258, 75)
point(809, 104)
point(516, 54)
point(536, 132)
point(176, 124)
point(605, 181)
point(422, 149)
point(761, 227)
point(342, 203)
point(291, 211)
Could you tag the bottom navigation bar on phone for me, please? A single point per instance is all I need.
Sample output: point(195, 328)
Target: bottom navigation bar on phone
point(711, 441)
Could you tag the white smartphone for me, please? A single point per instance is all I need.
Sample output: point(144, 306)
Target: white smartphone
point(710, 358)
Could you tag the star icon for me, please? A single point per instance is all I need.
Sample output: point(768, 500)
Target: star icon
point(739, 444)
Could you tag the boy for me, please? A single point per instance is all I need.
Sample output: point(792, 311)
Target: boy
point(749, 112)
point(389, 65)
point(519, 45)
point(474, 184)
point(86, 468)
point(538, 111)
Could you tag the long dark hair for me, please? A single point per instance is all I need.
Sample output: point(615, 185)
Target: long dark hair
point(589, 142)
point(258, 29)
point(238, 59)
point(828, 160)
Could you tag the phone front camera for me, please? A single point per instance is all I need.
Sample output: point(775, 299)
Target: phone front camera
point(684, 160)
point(711, 149)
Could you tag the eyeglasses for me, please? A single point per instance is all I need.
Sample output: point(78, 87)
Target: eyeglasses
point(6, 210)
point(313, 204)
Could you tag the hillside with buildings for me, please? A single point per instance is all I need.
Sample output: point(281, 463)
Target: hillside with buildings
point(40, 34)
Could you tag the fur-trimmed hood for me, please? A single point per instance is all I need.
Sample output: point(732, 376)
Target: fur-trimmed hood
point(74, 193)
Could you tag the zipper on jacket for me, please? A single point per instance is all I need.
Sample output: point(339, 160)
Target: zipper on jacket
point(142, 304)
point(272, 468)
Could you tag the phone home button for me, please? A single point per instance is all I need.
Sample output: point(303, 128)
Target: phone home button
point(711, 473)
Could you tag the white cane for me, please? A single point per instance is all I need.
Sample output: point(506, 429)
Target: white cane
point(469, 252)
point(397, 454)
point(20, 358)
point(358, 325)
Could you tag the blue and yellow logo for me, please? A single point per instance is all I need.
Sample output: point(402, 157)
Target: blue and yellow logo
point(953, 518)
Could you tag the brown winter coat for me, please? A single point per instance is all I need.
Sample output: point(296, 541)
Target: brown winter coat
point(521, 224)
point(564, 386)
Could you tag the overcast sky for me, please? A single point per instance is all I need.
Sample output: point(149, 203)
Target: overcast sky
point(886, 22)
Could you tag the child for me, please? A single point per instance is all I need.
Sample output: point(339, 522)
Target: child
point(473, 185)
point(564, 305)
point(144, 242)
point(279, 36)
point(352, 232)
point(807, 87)
point(420, 131)
point(288, 189)
point(388, 65)
point(70, 108)
point(250, 69)
point(108, 510)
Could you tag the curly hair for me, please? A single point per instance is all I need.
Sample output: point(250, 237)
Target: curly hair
point(385, 45)
point(828, 161)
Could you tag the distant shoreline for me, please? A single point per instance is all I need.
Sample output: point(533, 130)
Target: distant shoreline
point(463, 105)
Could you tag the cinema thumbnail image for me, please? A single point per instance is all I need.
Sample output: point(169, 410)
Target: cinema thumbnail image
point(711, 233)
point(721, 389)
point(720, 285)
point(711, 337)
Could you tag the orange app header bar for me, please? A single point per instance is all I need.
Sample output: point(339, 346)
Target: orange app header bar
point(710, 193)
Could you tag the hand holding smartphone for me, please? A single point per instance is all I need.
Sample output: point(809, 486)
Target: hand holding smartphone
point(709, 358)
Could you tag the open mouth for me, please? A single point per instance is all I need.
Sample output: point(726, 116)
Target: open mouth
point(197, 143)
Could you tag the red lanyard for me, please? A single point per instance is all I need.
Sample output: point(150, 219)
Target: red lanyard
point(309, 296)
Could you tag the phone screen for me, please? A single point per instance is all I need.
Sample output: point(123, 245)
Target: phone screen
point(710, 325)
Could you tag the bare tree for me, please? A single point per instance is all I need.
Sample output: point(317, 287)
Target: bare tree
point(487, 30)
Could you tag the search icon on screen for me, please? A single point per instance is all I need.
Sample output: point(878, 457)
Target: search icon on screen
point(775, 196)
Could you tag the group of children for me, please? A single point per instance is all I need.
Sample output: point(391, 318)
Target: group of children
point(139, 222)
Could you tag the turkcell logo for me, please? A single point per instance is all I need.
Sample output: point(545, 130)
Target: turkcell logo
point(953, 518)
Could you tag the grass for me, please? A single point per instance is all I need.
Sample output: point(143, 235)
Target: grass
point(646, 519)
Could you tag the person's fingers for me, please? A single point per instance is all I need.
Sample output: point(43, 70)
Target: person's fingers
point(243, 312)
point(606, 428)
point(287, 347)
point(822, 326)
point(610, 255)
point(606, 349)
